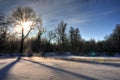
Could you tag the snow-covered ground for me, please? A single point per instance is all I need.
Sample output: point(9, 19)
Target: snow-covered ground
point(97, 59)
point(69, 56)
point(36, 68)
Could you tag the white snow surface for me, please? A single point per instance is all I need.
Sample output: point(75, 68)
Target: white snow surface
point(37, 68)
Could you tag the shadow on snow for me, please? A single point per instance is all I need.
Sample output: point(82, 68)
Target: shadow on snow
point(5, 70)
point(97, 63)
point(62, 70)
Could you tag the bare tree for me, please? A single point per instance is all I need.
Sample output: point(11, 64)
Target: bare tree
point(24, 18)
point(75, 39)
point(51, 35)
point(41, 30)
point(3, 32)
point(61, 34)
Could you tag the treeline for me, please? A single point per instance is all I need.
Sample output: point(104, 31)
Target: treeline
point(57, 40)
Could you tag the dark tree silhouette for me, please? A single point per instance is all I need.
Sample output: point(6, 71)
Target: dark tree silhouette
point(19, 18)
point(116, 37)
point(12, 44)
point(51, 35)
point(3, 31)
point(75, 39)
point(61, 34)
point(89, 46)
point(41, 30)
point(113, 41)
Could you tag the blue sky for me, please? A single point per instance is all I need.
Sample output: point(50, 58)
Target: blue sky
point(94, 18)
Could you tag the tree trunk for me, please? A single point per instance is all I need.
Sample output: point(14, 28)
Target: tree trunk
point(46, 49)
point(21, 46)
point(22, 41)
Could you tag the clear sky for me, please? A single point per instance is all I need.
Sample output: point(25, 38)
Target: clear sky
point(94, 18)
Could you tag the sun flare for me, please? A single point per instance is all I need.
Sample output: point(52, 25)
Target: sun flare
point(25, 25)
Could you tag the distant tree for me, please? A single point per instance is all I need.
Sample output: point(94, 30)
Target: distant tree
point(12, 43)
point(75, 39)
point(23, 17)
point(100, 46)
point(34, 45)
point(113, 41)
point(51, 35)
point(116, 37)
point(41, 30)
point(89, 46)
point(3, 32)
point(61, 34)
point(71, 32)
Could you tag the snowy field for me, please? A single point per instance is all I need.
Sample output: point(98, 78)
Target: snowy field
point(95, 59)
point(36, 68)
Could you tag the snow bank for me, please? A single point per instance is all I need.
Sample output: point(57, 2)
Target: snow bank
point(96, 59)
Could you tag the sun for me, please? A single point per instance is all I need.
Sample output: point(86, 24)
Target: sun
point(25, 26)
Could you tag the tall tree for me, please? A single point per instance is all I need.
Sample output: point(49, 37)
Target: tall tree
point(116, 37)
point(75, 39)
point(41, 30)
point(51, 35)
point(25, 19)
point(3, 31)
point(113, 40)
point(61, 34)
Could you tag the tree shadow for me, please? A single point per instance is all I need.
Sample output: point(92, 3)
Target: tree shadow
point(95, 62)
point(63, 71)
point(4, 71)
